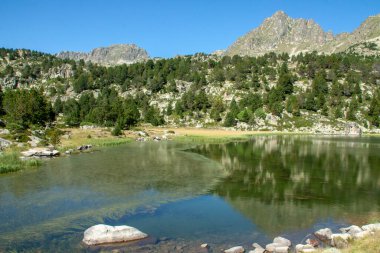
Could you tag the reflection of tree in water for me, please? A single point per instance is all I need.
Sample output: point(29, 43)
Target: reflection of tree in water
point(285, 182)
point(79, 191)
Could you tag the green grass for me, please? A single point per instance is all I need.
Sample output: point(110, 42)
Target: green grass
point(210, 139)
point(102, 142)
point(11, 162)
point(369, 244)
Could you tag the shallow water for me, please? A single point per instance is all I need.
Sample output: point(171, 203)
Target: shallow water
point(223, 194)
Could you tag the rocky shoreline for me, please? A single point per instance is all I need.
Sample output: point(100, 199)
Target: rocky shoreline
point(323, 240)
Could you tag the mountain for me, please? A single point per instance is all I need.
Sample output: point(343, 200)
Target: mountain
point(112, 55)
point(283, 34)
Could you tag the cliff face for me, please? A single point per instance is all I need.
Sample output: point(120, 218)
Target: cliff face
point(283, 34)
point(112, 55)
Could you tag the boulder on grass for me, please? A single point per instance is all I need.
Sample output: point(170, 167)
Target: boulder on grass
point(340, 241)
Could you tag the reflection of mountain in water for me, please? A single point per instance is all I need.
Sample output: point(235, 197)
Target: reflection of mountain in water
point(285, 182)
point(71, 194)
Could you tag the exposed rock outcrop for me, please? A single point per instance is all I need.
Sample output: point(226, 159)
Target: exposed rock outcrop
point(112, 55)
point(283, 34)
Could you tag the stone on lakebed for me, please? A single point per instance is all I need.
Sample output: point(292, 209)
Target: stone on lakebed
point(101, 234)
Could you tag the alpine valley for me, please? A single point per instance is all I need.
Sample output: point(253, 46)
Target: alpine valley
point(287, 75)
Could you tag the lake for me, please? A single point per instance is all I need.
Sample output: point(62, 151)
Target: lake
point(183, 195)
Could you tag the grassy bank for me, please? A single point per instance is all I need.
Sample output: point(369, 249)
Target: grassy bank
point(366, 245)
point(98, 137)
point(10, 162)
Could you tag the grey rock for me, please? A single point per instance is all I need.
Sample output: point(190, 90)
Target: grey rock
point(340, 240)
point(84, 147)
point(371, 227)
point(283, 34)
point(323, 234)
point(362, 234)
point(283, 241)
point(281, 249)
point(351, 230)
point(352, 129)
point(331, 250)
point(204, 245)
point(40, 152)
point(257, 250)
point(4, 131)
point(276, 248)
point(256, 245)
point(303, 248)
point(4, 143)
point(112, 55)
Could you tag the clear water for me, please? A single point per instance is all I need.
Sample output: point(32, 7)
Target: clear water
point(223, 194)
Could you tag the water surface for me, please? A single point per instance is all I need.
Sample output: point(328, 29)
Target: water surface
point(223, 194)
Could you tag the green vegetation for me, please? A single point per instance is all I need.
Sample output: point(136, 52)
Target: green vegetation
point(338, 86)
point(11, 162)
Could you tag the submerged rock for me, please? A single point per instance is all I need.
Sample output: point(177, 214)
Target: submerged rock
point(236, 249)
point(204, 245)
point(100, 234)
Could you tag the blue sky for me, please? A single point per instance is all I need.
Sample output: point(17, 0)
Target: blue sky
point(163, 27)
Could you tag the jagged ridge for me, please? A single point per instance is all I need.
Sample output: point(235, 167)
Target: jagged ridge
point(112, 55)
point(283, 34)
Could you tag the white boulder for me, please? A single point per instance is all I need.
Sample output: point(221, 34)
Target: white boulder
point(258, 248)
point(276, 248)
point(351, 230)
point(283, 241)
point(362, 234)
point(100, 234)
point(236, 249)
point(304, 248)
point(371, 227)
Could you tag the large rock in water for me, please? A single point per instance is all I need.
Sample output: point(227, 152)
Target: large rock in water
point(237, 249)
point(100, 234)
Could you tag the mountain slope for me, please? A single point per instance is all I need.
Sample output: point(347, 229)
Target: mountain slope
point(112, 55)
point(283, 34)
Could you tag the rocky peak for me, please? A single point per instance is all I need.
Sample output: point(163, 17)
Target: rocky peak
point(112, 55)
point(280, 33)
point(283, 34)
